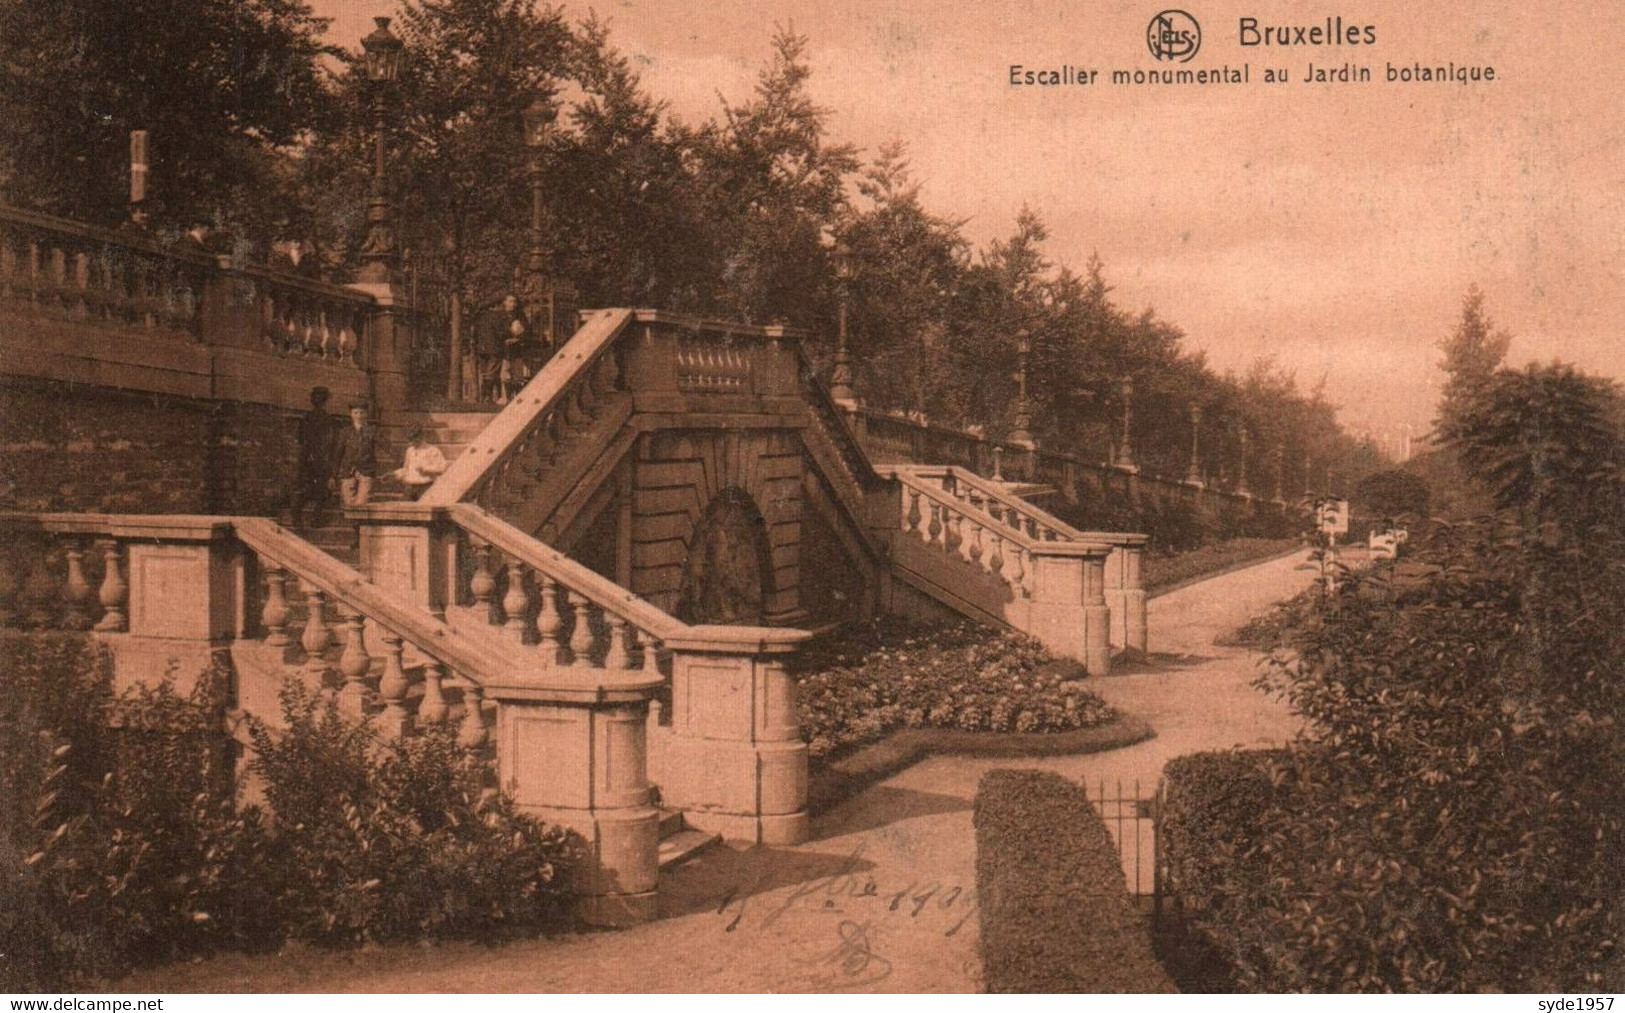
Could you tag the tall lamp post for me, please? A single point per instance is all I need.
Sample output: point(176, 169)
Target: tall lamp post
point(384, 53)
point(1021, 432)
point(1241, 468)
point(840, 380)
point(539, 117)
point(1125, 453)
point(1193, 474)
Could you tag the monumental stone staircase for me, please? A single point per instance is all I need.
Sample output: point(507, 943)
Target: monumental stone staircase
point(528, 599)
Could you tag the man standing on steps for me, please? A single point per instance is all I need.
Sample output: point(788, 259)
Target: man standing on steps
point(311, 486)
point(358, 457)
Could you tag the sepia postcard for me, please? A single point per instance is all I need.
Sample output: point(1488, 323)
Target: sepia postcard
point(810, 496)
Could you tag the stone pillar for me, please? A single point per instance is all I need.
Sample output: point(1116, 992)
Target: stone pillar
point(734, 762)
point(186, 580)
point(576, 756)
point(1068, 612)
point(408, 549)
point(1135, 627)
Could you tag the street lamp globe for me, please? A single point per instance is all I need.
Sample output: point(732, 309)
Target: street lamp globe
point(539, 118)
point(842, 256)
point(384, 53)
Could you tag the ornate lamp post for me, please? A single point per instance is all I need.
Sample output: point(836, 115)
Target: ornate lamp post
point(539, 117)
point(1193, 474)
point(1125, 452)
point(1280, 473)
point(1021, 432)
point(1241, 468)
point(384, 54)
point(840, 381)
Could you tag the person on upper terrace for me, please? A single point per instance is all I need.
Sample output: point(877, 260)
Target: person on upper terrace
point(491, 333)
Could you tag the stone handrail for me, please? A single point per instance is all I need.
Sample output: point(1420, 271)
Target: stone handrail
point(562, 584)
point(977, 537)
point(101, 276)
point(561, 394)
point(1124, 588)
point(966, 485)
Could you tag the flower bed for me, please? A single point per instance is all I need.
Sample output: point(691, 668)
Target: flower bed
point(893, 673)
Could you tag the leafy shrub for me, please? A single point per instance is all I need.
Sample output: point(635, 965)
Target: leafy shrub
point(1452, 820)
point(1055, 911)
point(123, 843)
point(400, 840)
point(892, 673)
point(132, 848)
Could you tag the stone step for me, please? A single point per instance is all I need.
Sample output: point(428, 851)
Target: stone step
point(671, 822)
point(683, 845)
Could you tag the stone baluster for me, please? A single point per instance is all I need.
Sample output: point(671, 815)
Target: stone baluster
point(274, 615)
point(471, 732)
point(973, 548)
point(911, 519)
point(951, 538)
point(432, 709)
point(40, 589)
point(995, 558)
point(77, 589)
point(317, 636)
point(1017, 573)
point(646, 648)
point(581, 637)
point(483, 583)
point(548, 621)
point(392, 685)
point(516, 603)
point(934, 532)
point(617, 657)
point(353, 665)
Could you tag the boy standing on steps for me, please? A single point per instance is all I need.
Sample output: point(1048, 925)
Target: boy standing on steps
point(358, 457)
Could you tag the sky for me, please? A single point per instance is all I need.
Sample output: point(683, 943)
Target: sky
point(1333, 227)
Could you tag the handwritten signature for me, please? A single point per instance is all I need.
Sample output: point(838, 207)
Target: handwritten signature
point(849, 890)
point(853, 958)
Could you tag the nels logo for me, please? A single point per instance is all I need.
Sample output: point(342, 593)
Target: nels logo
point(1173, 35)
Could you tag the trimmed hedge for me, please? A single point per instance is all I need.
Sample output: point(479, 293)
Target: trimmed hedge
point(1215, 806)
point(1056, 915)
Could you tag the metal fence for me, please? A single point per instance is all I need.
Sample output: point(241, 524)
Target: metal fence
point(1133, 816)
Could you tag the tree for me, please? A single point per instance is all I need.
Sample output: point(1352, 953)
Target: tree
point(775, 185)
point(1471, 354)
point(219, 87)
point(1545, 441)
point(1392, 493)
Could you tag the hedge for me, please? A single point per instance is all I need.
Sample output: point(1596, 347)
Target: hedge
point(1056, 915)
point(1214, 806)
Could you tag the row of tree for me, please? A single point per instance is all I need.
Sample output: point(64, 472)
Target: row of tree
point(261, 130)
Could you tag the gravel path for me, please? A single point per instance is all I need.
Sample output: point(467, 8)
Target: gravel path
point(881, 900)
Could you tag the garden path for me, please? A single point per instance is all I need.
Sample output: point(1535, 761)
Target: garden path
point(882, 898)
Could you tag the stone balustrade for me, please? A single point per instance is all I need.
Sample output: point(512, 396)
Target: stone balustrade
point(728, 752)
point(1124, 585)
point(1051, 588)
point(173, 594)
point(69, 272)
